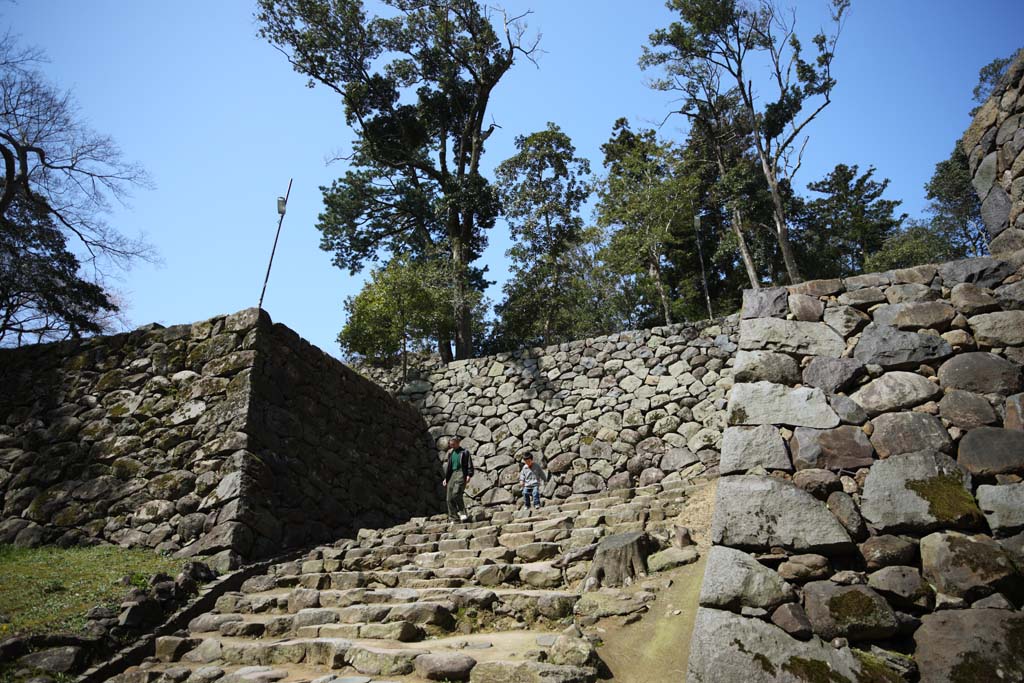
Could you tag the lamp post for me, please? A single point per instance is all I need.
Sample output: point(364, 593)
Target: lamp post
point(282, 207)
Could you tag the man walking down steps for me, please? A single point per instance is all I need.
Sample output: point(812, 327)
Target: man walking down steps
point(458, 459)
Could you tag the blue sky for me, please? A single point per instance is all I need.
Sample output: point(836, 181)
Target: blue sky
point(221, 123)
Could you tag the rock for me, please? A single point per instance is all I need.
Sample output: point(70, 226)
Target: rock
point(766, 403)
point(733, 580)
point(892, 348)
point(745, 448)
point(818, 287)
point(894, 391)
point(856, 282)
point(896, 433)
point(856, 613)
point(59, 660)
point(924, 315)
point(674, 460)
point(528, 672)
point(791, 336)
point(988, 451)
point(382, 662)
point(807, 567)
point(903, 587)
point(998, 329)
point(832, 374)
point(966, 410)
point(1003, 507)
point(817, 482)
point(766, 366)
point(588, 482)
point(862, 298)
point(806, 308)
point(969, 567)
point(444, 666)
point(670, 558)
point(756, 513)
point(540, 575)
point(792, 619)
point(919, 492)
point(845, 319)
point(1014, 418)
point(1011, 297)
point(849, 412)
point(770, 302)
point(840, 448)
point(841, 505)
point(727, 647)
point(981, 373)
point(970, 644)
point(971, 299)
point(572, 651)
point(983, 271)
point(886, 551)
point(535, 552)
point(899, 294)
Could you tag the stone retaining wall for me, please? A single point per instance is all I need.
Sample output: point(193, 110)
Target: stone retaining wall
point(230, 437)
point(994, 145)
point(870, 516)
point(605, 413)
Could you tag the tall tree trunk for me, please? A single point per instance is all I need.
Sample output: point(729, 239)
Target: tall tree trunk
point(655, 272)
point(444, 348)
point(463, 318)
point(748, 261)
point(781, 229)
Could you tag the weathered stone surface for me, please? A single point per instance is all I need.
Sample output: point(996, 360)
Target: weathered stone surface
point(727, 647)
point(924, 315)
point(894, 391)
point(841, 448)
point(988, 451)
point(528, 672)
point(744, 448)
point(59, 660)
point(969, 566)
point(897, 433)
point(817, 482)
point(1014, 417)
point(382, 661)
point(892, 348)
point(1003, 507)
point(845, 319)
point(792, 619)
point(733, 580)
point(842, 505)
point(791, 336)
point(903, 587)
point(759, 403)
point(983, 271)
point(908, 293)
point(849, 412)
point(918, 492)
point(1005, 328)
point(856, 613)
point(818, 287)
point(806, 308)
point(444, 666)
point(982, 373)
point(757, 513)
point(862, 298)
point(670, 558)
point(971, 299)
point(886, 551)
point(966, 410)
point(766, 366)
point(970, 645)
point(832, 374)
point(771, 302)
point(806, 567)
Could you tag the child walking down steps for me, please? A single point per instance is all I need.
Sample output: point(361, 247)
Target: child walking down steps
point(530, 478)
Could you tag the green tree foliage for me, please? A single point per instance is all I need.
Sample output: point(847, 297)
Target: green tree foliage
point(848, 223)
point(914, 244)
point(722, 38)
point(954, 206)
point(415, 86)
point(542, 187)
point(59, 178)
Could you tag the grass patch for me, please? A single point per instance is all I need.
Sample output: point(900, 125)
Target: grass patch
point(49, 589)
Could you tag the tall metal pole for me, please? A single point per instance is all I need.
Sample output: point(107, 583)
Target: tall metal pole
point(281, 209)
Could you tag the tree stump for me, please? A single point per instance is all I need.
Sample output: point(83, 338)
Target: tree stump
point(618, 560)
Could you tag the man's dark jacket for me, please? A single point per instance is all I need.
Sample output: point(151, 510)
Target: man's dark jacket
point(467, 464)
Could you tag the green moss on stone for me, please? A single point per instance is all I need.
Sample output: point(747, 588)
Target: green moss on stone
point(738, 416)
point(765, 663)
point(948, 500)
point(586, 440)
point(851, 607)
point(874, 670)
point(813, 671)
point(981, 558)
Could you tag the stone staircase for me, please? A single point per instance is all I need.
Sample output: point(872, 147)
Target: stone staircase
point(494, 599)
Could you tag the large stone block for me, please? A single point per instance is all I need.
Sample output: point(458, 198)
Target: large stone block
point(840, 448)
point(896, 433)
point(760, 403)
point(972, 644)
point(892, 348)
point(791, 336)
point(744, 448)
point(734, 580)
point(982, 373)
point(894, 391)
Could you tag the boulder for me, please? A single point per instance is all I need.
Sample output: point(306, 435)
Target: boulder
point(892, 348)
point(886, 551)
point(981, 373)
point(1014, 417)
point(919, 492)
point(818, 287)
point(674, 460)
point(745, 448)
point(903, 587)
point(862, 298)
point(896, 433)
point(766, 366)
point(998, 329)
point(529, 672)
point(983, 271)
point(970, 644)
point(790, 336)
point(817, 482)
point(806, 567)
point(444, 666)
point(845, 319)
point(806, 308)
point(756, 513)
point(734, 580)
point(1003, 507)
point(899, 294)
point(840, 448)
point(831, 374)
point(761, 403)
point(971, 299)
point(894, 391)
point(849, 412)
point(769, 302)
point(842, 505)
point(988, 451)
point(969, 566)
point(856, 613)
point(792, 619)
point(924, 315)
point(966, 410)
point(673, 557)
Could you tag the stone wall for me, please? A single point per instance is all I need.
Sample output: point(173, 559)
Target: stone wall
point(994, 145)
point(230, 437)
point(603, 413)
point(870, 516)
